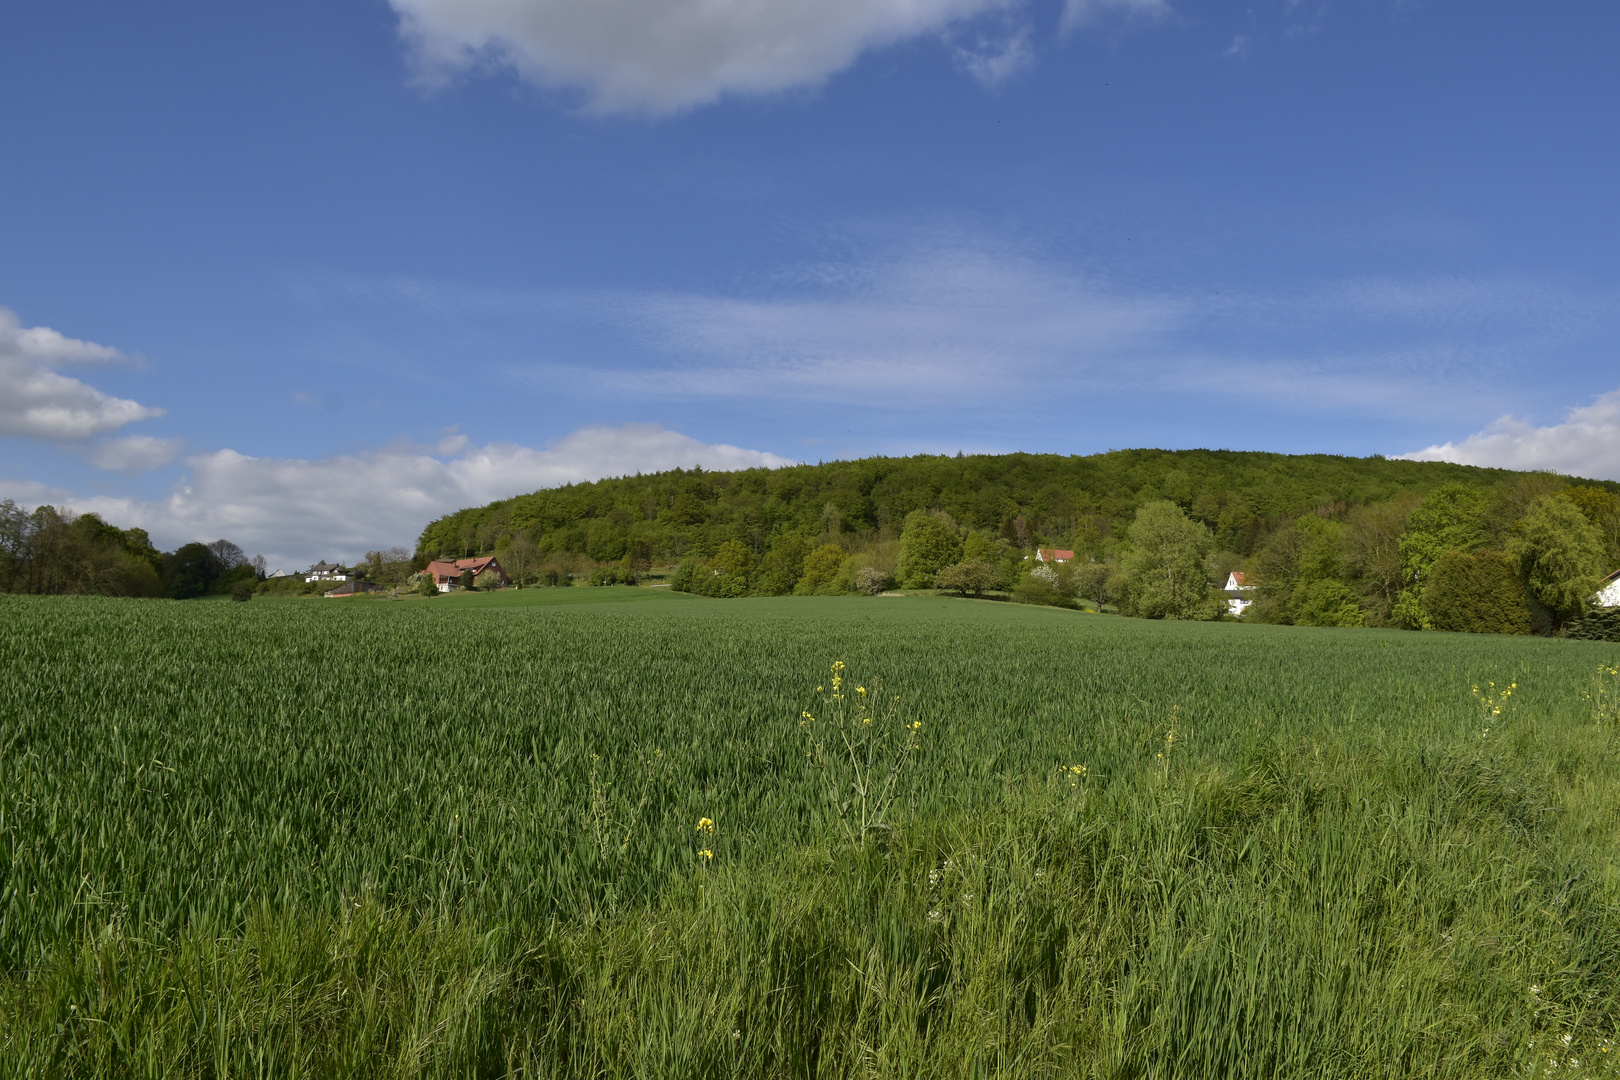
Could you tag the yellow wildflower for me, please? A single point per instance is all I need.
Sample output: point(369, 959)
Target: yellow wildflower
point(704, 825)
point(706, 854)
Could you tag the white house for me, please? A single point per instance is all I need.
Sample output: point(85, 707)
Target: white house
point(323, 571)
point(1238, 592)
point(1608, 594)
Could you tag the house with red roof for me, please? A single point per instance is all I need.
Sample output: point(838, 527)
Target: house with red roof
point(1239, 592)
point(1053, 555)
point(486, 573)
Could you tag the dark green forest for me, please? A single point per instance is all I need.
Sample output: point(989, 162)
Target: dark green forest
point(1327, 540)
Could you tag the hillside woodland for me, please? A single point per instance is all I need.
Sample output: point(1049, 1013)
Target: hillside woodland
point(1324, 540)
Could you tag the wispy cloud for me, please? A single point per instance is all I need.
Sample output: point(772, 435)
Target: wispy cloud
point(1585, 443)
point(952, 320)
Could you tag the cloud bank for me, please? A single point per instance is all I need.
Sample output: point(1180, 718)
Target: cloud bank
point(297, 511)
point(38, 403)
point(662, 56)
point(1587, 443)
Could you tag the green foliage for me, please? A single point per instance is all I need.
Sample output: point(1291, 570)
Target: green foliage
point(821, 567)
point(1025, 499)
point(1560, 554)
point(784, 564)
point(1166, 568)
point(980, 546)
point(1450, 519)
point(928, 544)
point(425, 585)
point(47, 551)
point(192, 571)
point(242, 591)
point(1327, 601)
point(1480, 593)
point(1042, 586)
point(969, 576)
point(377, 839)
point(1600, 625)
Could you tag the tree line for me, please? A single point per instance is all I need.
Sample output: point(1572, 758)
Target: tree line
point(49, 550)
point(1325, 540)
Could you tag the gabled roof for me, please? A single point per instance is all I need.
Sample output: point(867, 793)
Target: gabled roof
point(1053, 553)
point(1240, 579)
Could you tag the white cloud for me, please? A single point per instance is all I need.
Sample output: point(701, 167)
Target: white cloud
point(1078, 13)
point(297, 511)
point(992, 61)
point(660, 56)
point(137, 453)
point(37, 403)
point(1587, 443)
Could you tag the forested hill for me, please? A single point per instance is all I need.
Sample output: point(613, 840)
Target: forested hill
point(1025, 499)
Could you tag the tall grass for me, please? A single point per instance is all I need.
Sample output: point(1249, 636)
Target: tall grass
point(446, 839)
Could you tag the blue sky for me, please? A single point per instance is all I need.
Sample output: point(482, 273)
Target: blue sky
point(306, 275)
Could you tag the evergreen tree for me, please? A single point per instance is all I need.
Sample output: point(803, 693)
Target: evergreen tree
point(1480, 593)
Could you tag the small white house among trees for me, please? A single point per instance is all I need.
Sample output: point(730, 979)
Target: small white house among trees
point(1238, 592)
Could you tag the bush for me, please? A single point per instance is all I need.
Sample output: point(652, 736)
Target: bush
point(242, 591)
point(972, 576)
point(1327, 602)
point(871, 581)
point(1476, 594)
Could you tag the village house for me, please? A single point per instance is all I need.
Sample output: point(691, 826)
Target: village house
point(1053, 555)
point(1238, 592)
point(325, 571)
point(1608, 594)
point(486, 573)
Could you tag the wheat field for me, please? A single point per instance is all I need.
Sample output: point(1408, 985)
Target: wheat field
point(466, 837)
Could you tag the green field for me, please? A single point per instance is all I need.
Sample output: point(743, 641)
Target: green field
point(457, 837)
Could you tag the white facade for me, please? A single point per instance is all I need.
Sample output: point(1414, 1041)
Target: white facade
point(1237, 582)
point(1608, 594)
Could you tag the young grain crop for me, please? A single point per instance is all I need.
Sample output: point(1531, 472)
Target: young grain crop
point(450, 839)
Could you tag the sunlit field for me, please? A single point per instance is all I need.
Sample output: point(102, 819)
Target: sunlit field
point(462, 836)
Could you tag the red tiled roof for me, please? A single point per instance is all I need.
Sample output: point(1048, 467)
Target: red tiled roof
point(1053, 553)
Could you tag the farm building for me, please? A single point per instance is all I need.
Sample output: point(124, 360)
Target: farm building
point(325, 571)
point(1053, 555)
point(486, 572)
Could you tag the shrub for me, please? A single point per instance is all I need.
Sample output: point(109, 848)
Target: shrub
point(972, 576)
point(242, 591)
point(870, 581)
